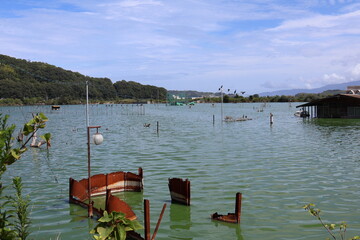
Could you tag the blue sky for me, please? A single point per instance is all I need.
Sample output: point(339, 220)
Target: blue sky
point(244, 45)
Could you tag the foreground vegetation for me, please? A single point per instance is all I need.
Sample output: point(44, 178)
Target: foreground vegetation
point(14, 209)
point(330, 228)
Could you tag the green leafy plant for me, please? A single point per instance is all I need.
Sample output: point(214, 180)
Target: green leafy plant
point(330, 228)
point(47, 138)
point(114, 226)
point(21, 205)
point(14, 213)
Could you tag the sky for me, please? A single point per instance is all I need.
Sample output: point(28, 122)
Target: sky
point(245, 45)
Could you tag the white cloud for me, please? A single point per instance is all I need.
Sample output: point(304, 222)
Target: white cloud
point(356, 70)
point(333, 78)
point(136, 3)
point(192, 41)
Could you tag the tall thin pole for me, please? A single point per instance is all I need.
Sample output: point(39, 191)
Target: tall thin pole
point(147, 219)
point(222, 114)
point(89, 173)
point(87, 104)
point(90, 213)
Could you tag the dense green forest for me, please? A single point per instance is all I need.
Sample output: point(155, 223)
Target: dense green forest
point(27, 82)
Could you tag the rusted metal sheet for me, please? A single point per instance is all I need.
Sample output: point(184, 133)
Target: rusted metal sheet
point(79, 193)
point(78, 190)
point(115, 181)
point(231, 217)
point(179, 190)
point(116, 204)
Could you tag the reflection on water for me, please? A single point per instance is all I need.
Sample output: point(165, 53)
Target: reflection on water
point(180, 222)
point(278, 169)
point(235, 228)
point(334, 122)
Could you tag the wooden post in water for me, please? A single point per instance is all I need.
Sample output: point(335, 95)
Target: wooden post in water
point(157, 127)
point(147, 219)
point(213, 119)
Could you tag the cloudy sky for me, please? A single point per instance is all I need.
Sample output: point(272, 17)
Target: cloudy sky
point(245, 45)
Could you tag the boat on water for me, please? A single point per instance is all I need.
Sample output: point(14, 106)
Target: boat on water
point(302, 113)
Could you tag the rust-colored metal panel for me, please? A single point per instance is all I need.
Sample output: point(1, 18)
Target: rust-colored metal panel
point(116, 181)
point(179, 190)
point(101, 184)
point(115, 204)
point(98, 184)
point(133, 182)
point(78, 190)
point(231, 217)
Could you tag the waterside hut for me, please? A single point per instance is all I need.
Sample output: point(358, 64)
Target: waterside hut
point(337, 106)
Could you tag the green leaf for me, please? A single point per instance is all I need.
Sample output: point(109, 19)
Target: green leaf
point(118, 215)
point(46, 136)
point(105, 232)
point(43, 117)
point(106, 218)
point(28, 128)
point(121, 232)
point(136, 225)
point(15, 153)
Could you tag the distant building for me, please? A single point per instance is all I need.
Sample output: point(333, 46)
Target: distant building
point(353, 90)
point(337, 106)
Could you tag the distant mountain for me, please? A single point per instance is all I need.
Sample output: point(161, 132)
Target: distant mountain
point(293, 92)
point(22, 79)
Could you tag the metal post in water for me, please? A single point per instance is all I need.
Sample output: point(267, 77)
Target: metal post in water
point(238, 206)
point(222, 99)
point(157, 127)
point(89, 173)
point(147, 219)
point(158, 223)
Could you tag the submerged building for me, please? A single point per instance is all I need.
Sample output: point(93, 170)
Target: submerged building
point(337, 106)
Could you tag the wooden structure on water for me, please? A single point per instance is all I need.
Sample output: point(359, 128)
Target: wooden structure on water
point(337, 106)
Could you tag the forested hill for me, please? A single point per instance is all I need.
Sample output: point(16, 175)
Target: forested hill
point(21, 79)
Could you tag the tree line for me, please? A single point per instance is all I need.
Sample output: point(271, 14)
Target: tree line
point(23, 82)
point(300, 97)
point(27, 82)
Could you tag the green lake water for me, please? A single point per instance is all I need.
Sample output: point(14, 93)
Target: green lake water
point(277, 168)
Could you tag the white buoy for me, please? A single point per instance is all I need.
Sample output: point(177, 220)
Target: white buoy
point(98, 138)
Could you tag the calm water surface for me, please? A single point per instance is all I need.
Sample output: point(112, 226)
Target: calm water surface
point(278, 168)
